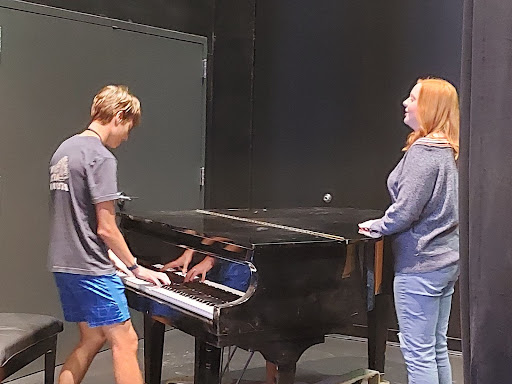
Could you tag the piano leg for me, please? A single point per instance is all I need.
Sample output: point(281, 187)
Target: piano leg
point(282, 357)
point(153, 349)
point(378, 332)
point(207, 364)
point(285, 374)
point(282, 374)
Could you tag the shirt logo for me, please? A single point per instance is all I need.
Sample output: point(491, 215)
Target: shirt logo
point(59, 175)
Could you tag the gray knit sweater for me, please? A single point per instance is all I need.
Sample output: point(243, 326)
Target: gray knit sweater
point(423, 216)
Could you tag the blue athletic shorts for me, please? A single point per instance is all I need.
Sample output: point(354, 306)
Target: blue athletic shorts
point(97, 300)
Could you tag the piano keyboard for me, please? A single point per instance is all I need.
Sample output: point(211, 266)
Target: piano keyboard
point(197, 297)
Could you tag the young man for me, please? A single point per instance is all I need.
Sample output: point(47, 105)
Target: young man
point(83, 189)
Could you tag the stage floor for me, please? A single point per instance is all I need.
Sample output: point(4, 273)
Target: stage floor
point(319, 364)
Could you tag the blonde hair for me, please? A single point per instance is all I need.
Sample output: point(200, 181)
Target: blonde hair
point(438, 112)
point(113, 99)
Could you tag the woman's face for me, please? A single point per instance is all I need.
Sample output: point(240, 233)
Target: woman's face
point(411, 108)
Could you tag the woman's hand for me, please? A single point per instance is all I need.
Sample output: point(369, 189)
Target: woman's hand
point(365, 229)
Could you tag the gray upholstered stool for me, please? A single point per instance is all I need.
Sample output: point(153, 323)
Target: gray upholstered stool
point(23, 338)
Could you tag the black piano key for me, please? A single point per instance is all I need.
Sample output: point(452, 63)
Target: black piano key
point(209, 301)
point(197, 289)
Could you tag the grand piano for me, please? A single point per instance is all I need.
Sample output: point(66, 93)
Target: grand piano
point(282, 279)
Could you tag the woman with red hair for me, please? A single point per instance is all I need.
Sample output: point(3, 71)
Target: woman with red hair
point(422, 222)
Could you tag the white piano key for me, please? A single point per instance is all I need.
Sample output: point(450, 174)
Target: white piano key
point(188, 303)
point(182, 301)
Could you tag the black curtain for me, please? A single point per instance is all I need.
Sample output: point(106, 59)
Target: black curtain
point(486, 190)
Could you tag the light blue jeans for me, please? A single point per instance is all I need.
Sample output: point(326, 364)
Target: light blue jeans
point(423, 303)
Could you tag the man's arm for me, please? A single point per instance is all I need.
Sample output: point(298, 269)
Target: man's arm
point(111, 235)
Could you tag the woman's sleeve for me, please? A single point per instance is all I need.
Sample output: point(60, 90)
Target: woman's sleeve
point(415, 188)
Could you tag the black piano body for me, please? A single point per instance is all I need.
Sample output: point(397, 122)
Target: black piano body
point(287, 278)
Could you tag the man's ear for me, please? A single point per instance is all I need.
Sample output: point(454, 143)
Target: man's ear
point(119, 117)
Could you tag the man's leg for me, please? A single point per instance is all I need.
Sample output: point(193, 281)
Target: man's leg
point(76, 365)
point(124, 343)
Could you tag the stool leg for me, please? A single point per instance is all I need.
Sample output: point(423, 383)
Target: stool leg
point(49, 362)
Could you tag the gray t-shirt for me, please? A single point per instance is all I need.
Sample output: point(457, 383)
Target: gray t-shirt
point(82, 173)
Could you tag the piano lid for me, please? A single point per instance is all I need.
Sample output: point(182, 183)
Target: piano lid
point(252, 227)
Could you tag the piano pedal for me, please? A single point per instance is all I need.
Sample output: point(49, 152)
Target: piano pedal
point(225, 369)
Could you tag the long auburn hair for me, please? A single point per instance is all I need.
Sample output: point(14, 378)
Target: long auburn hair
point(438, 112)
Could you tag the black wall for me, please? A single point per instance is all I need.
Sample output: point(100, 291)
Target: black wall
point(229, 139)
point(330, 79)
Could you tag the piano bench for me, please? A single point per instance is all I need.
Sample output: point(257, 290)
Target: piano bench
point(23, 338)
